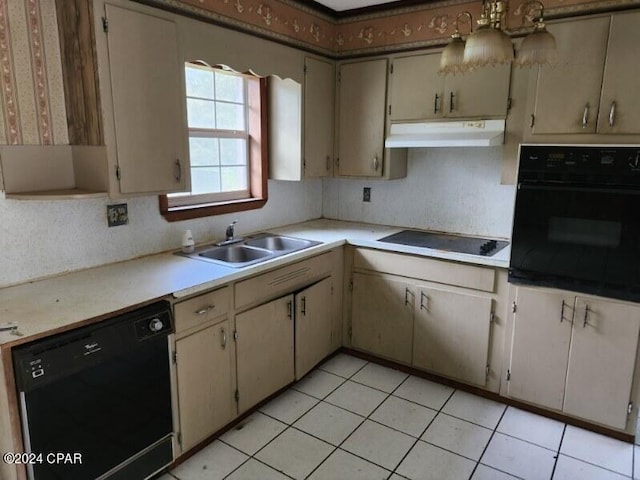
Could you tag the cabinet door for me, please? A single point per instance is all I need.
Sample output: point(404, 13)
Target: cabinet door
point(313, 326)
point(148, 102)
point(540, 348)
point(451, 334)
point(620, 101)
point(382, 317)
point(602, 361)
point(264, 351)
point(416, 88)
point(363, 88)
point(483, 93)
point(205, 382)
point(285, 129)
point(569, 92)
point(319, 101)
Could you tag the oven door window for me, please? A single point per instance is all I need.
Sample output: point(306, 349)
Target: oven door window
point(578, 238)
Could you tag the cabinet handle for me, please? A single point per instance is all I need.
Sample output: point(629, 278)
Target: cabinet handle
point(303, 308)
point(375, 162)
point(451, 105)
point(223, 341)
point(406, 295)
point(435, 103)
point(422, 304)
point(328, 162)
point(289, 309)
point(205, 310)
point(178, 171)
point(612, 114)
point(533, 121)
point(586, 315)
point(562, 312)
point(585, 116)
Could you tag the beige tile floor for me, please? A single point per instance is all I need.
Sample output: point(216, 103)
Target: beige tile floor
point(351, 419)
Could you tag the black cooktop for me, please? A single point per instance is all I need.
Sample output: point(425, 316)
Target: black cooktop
point(451, 243)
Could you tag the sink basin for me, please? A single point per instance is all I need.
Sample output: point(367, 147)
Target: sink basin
point(254, 249)
point(279, 243)
point(237, 254)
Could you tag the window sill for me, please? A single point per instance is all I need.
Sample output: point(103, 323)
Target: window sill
point(176, 214)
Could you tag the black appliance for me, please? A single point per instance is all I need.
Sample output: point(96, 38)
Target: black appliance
point(100, 391)
point(450, 243)
point(577, 219)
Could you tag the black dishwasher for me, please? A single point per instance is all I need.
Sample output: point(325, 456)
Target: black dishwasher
point(101, 394)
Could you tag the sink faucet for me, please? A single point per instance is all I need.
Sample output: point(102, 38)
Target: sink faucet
point(229, 234)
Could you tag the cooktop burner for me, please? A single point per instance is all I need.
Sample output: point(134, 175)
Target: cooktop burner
point(450, 243)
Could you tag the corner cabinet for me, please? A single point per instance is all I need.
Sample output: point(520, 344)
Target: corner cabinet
point(574, 354)
point(143, 99)
point(419, 92)
point(362, 93)
point(434, 315)
point(593, 89)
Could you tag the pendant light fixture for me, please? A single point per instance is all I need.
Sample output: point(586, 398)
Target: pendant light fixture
point(489, 45)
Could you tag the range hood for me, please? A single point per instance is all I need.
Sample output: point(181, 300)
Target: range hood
point(467, 133)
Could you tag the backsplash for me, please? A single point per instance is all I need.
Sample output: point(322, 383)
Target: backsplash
point(42, 238)
point(455, 190)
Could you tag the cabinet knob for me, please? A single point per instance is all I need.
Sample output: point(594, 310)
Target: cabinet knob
point(178, 170)
point(375, 163)
point(328, 162)
point(223, 338)
point(435, 103)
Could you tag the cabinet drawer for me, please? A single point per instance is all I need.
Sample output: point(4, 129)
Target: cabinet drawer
point(282, 280)
point(201, 309)
point(429, 269)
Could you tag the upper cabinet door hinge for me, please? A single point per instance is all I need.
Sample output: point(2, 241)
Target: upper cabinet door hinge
point(235, 335)
point(118, 174)
point(391, 68)
point(175, 357)
point(351, 285)
point(339, 75)
point(509, 104)
point(304, 69)
point(508, 375)
point(105, 25)
point(514, 307)
point(389, 110)
point(236, 395)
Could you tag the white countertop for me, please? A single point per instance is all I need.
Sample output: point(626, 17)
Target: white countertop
point(54, 304)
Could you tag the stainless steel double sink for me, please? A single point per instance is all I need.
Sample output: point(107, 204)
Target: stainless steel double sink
point(250, 250)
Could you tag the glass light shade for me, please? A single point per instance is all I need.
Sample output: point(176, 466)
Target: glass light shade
point(538, 48)
point(487, 46)
point(452, 56)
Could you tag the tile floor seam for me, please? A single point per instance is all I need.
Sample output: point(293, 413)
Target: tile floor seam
point(344, 380)
point(414, 402)
point(484, 450)
point(341, 376)
point(557, 457)
point(498, 470)
point(595, 465)
point(241, 464)
point(324, 460)
point(524, 440)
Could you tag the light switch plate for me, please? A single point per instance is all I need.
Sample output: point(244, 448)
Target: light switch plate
point(117, 215)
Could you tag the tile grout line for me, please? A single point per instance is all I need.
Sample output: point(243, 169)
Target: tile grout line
point(484, 450)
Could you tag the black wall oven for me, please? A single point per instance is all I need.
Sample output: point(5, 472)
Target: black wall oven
point(577, 219)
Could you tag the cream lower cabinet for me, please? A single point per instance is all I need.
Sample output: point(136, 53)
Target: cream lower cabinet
point(575, 354)
point(382, 317)
point(265, 350)
point(443, 331)
point(205, 366)
point(313, 326)
point(451, 333)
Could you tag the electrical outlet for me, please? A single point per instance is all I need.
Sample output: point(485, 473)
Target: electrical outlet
point(366, 194)
point(117, 215)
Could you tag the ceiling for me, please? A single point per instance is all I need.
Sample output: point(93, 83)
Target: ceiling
point(342, 5)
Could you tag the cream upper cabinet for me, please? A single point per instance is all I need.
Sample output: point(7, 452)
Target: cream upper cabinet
point(144, 106)
point(382, 317)
point(620, 100)
point(602, 360)
point(540, 346)
point(265, 351)
point(419, 92)
point(319, 102)
point(285, 129)
point(362, 100)
point(574, 354)
point(451, 333)
point(313, 326)
point(567, 95)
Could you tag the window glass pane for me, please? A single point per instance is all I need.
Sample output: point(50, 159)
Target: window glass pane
point(229, 116)
point(204, 151)
point(200, 113)
point(234, 178)
point(205, 180)
point(233, 151)
point(199, 83)
point(229, 88)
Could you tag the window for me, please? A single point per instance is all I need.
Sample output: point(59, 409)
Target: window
point(227, 149)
